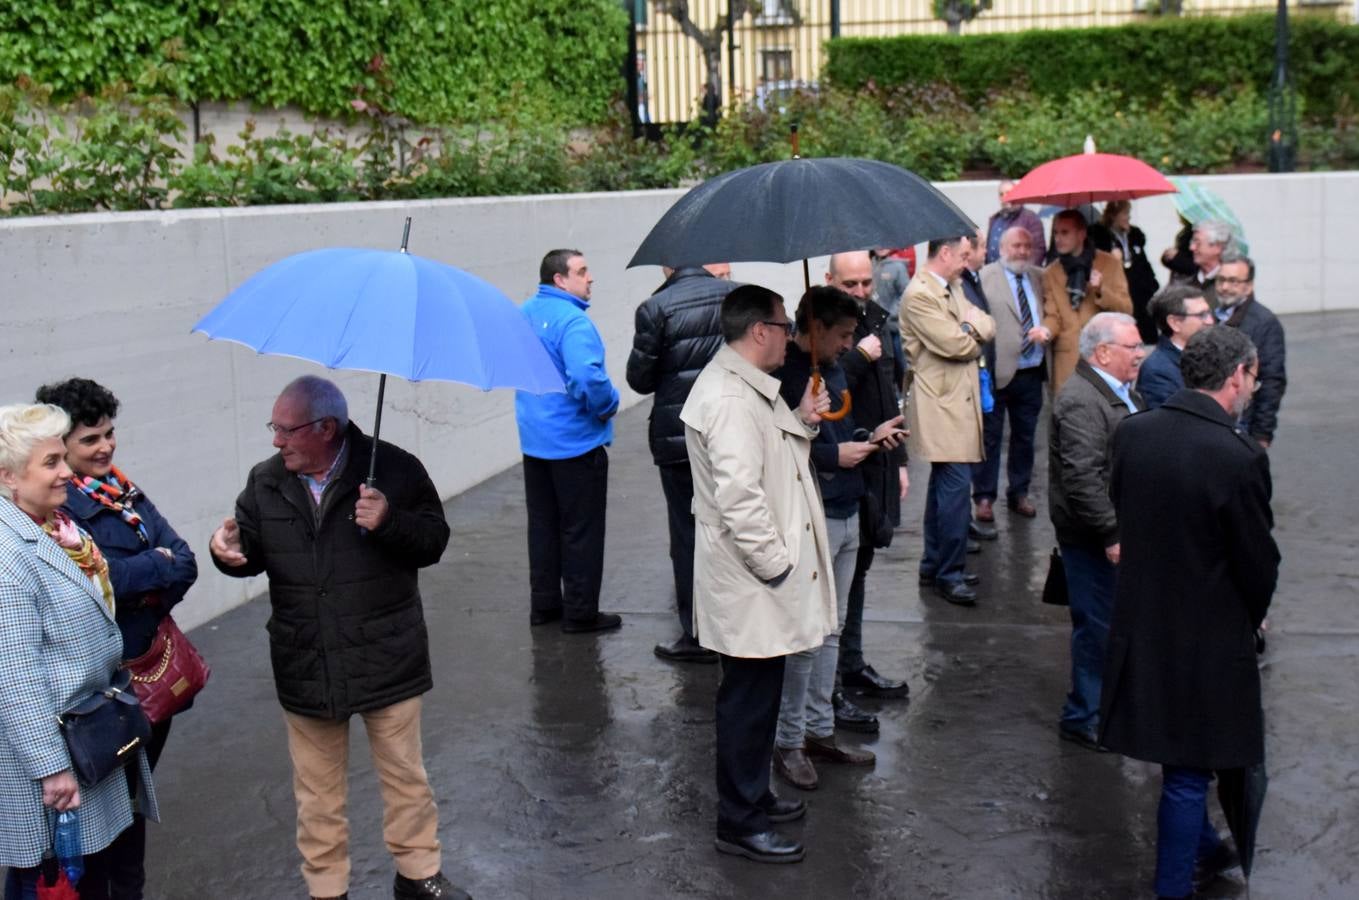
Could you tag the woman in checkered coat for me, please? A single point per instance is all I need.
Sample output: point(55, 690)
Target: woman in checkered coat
point(59, 643)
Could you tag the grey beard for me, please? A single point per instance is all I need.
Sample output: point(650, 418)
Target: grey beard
point(1015, 266)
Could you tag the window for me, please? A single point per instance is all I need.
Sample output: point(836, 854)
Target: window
point(776, 66)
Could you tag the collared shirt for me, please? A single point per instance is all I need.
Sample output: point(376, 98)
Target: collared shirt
point(1203, 277)
point(1223, 311)
point(1034, 356)
point(939, 278)
point(317, 486)
point(1117, 387)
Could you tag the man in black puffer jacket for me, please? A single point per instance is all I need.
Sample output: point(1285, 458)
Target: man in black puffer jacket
point(678, 331)
point(347, 634)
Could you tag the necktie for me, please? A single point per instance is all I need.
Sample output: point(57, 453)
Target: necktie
point(1025, 315)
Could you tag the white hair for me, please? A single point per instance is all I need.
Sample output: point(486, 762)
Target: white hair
point(1100, 330)
point(1215, 230)
point(321, 399)
point(23, 426)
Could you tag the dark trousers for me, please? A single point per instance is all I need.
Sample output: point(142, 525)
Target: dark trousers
point(566, 500)
point(1184, 833)
point(947, 516)
point(127, 854)
point(747, 715)
point(1090, 581)
point(22, 884)
point(1022, 401)
point(678, 484)
point(852, 635)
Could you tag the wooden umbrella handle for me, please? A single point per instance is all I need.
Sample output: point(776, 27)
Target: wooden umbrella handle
point(847, 400)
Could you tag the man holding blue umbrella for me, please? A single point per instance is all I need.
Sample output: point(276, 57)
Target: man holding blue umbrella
point(566, 468)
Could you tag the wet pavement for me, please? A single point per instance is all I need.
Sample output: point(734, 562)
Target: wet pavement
point(581, 766)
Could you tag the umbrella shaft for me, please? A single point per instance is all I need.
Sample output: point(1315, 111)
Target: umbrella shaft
point(377, 429)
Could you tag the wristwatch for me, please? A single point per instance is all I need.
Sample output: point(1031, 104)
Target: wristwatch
point(969, 330)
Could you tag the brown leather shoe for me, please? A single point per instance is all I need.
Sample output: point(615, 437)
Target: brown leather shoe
point(1024, 506)
point(827, 750)
point(984, 511)
point(794, 767)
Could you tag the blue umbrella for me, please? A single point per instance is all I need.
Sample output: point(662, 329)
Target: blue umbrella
point(387, 312)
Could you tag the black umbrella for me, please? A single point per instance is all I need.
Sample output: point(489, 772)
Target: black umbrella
point(799, 208)
point(1242, 795)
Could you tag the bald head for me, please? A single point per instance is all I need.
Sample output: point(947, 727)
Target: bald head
point(852, 272)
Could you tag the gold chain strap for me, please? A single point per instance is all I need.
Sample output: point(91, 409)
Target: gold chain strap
point(164, 664)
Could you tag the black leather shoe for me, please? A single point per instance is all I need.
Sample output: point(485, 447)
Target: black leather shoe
point(782, 810)
point(684, 649)
point(1082, 738)
point(435, 887)
point(601, 622)
point(344, 896)
point(850, 718)
point(867, 681)
point(982, 532)
point(956, 592)
point(544, 616)
point(973, 547)
point(765, 847)
point(971, 579)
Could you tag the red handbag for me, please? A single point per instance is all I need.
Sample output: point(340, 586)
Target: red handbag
point(169, 674)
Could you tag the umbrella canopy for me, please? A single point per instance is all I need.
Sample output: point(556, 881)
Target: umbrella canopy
point(1197, 203)
point(1089, 178)
point(1242, 795)
point(388, 312)
point(799, 208)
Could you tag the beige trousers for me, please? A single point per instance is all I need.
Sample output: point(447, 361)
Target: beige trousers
point(410, 821)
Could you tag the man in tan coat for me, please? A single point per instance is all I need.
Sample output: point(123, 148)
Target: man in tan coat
point(943, 335)
point(1079, 283)
point(763, 587)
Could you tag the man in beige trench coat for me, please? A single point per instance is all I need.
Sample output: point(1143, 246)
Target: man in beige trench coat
point(763, 587)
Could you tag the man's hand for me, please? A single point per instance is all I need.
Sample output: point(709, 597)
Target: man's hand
point(1111, 553)
point(1039, 335)
point(813, 404)
point(905, 478)
point(889, 433)
point(60, 791)
point(854, 452)
point(1263, 442)
point(225, 545)
point(371, 510)
point(871, 347)
point(166, 552)
point(1096, 279)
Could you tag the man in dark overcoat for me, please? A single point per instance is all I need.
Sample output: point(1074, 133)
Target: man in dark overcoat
point(1197, 571)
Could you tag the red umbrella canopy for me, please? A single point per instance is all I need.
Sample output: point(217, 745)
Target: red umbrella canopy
point(1088, 178)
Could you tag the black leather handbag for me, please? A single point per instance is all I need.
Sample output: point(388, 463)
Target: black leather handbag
point(1054, 588)
point(104, 731)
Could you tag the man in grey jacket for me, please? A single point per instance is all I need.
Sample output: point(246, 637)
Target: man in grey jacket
point(1087, 409)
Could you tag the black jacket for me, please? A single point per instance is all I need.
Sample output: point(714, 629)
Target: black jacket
point(679, 328)
point(872, 387)
point(972, 290)
point(1267, 334)
point(1080, 443)
point(347, 632)
point(841, 489)
point(1142, 282)
point(1198, 569)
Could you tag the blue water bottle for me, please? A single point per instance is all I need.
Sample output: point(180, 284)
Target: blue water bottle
point(67, 841)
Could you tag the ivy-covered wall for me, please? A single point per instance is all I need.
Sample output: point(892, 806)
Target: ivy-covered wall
point(432, 61)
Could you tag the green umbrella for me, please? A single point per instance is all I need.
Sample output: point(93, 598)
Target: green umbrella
point(1197, 203)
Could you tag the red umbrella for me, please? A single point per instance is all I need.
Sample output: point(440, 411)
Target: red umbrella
point(1087, 178)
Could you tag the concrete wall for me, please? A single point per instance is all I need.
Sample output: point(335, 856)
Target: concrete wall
point(112, 297)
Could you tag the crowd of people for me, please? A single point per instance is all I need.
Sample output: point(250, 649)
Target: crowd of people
point(781, 446)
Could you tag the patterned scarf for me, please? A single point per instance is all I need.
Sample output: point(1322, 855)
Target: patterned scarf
point(115, 492)
point(83, 552)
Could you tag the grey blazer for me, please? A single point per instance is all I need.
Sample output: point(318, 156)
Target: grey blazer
point(1009, 331)
point(58, 644)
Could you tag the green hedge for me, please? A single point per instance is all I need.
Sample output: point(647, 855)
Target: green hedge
point(437, 62)
point(1194, 56)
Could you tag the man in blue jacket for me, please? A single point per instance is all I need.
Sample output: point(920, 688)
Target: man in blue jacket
point(1180, 311)
point(566, 468)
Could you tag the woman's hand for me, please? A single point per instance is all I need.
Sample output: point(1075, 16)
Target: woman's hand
point(60, 791)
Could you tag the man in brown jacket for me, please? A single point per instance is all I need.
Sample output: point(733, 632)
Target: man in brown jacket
point(1079, 283)
point(943, 335)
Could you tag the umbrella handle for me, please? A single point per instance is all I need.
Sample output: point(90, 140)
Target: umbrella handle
point(848, 401)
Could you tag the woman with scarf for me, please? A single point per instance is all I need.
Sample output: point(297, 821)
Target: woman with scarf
point(58, 647)
point(1079, 283)
point(1115, 233)
point(150, 566)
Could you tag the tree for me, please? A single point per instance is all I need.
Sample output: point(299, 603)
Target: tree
point(956, 12)
point(709, 41)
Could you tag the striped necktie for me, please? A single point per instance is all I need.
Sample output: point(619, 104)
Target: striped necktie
point(1025, 315)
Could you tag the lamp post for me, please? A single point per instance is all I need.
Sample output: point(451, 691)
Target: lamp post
point(1283, 102)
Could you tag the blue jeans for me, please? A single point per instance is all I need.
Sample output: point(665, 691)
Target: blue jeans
point(1022, 401)
point(1090, 584)
point(1183, 832)
point(947, 515)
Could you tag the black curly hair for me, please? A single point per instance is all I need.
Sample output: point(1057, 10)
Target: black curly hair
point(85, 401)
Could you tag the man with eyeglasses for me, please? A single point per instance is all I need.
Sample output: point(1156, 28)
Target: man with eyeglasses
point(1198, 571)
point(1087, 410)
point(347, 631)
point(1180, 311)
point(1211, 241)
point(1238, 308)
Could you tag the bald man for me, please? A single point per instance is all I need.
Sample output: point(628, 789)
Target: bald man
point(870, 373)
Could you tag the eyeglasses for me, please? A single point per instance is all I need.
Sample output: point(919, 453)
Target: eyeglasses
point(1133, 347)
point(285, 432)
point(786, 326)
point(1223, 279)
